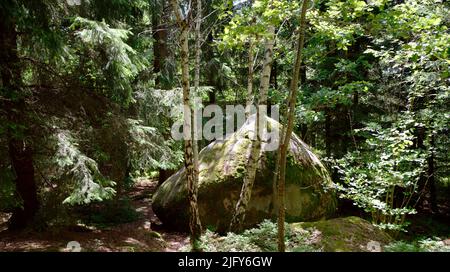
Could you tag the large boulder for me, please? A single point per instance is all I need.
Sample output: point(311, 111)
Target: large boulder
point(222, 166)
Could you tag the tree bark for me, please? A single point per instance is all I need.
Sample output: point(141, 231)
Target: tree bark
point(328, 140)
point(160, 54)
point(21, 156)
point(431, 179)
point(211, 70)
point(198, 51)
point(250, 60)
point(249, 179)
point(20, 151)
point(160, 34)
point(189, 157)
point(249, 101)
point(423, 178)
point(426, 183)
point(288, 130)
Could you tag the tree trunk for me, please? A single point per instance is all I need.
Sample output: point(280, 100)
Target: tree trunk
point(198, 51)
point(250, 96)
point(160, 50)
point(189, 156)
point(250, 60)
point(422, 182)
point(249, 179)
point(164, 174)
point(20, 152)
point(160, 54)
point(22, 161)
point(211, 70)
point(328, 132)
point(304, 131)
point(426, 183)
point(288, 130)
point(431, 179)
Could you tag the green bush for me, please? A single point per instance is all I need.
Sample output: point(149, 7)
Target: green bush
point(8, 197)
point(434, 244)
point(386, 185)
point(260, 239)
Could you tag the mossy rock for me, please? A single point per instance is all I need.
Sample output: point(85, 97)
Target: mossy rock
point(346, 234)
point(222, 166)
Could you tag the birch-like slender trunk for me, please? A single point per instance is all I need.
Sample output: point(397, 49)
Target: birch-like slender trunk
point(250, 60)
point(249, 179)
point(287, 131)
point(189, 155)
point(249, 101)
point(198, 48)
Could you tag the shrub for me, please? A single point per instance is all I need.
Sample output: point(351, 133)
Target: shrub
point(434, 244)
point(263, 238)
point(385, 185)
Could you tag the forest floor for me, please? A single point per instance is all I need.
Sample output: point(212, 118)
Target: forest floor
point(143, 231)
point(134, 236)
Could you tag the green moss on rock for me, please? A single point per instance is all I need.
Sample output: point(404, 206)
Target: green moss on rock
point(346, 234)
point(222, 167)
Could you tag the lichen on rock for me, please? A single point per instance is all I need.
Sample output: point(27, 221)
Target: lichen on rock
point(222, 166)
point(346, 234)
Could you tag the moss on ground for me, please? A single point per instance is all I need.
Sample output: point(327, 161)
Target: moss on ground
point(347, 234)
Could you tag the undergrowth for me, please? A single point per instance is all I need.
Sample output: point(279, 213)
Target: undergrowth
point(434, 244)
point(263, 238)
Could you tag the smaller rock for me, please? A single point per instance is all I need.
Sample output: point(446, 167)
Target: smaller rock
point(447, 242)
point(347, 234)
point(155, 234)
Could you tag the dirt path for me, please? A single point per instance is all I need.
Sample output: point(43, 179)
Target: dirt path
point(134, 236)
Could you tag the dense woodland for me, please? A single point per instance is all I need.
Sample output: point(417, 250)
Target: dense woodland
point(88, 90)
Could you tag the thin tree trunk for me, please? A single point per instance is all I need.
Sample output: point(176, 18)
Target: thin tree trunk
point(250, 96)
point(249, 179)
point(249, 101)
point(422, 182)
point(290, 124)
point(189, 157)
point(431, 179)
point(328, 132)
point(198, 43)
point(211, 70)
point(198, 51)
point(160, 32)
point(20, 152)
point(160, 55)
